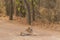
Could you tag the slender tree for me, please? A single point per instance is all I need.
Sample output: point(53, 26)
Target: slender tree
point(33, 10)
point(7, 5)
point(29, 13)
point(11, 10)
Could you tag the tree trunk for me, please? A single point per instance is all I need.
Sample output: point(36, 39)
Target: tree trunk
point(29, 13)
point(33, 13)
point(7, 4)
point(11, 10)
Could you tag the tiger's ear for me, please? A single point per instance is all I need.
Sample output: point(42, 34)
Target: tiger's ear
point(29, 30)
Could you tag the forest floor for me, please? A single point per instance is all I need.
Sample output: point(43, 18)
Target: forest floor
point(10, 30)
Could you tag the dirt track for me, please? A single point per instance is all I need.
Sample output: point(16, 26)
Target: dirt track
point(11, 31)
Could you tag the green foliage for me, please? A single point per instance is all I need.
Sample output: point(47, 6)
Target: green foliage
point(17, 2)
point(18, 8)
